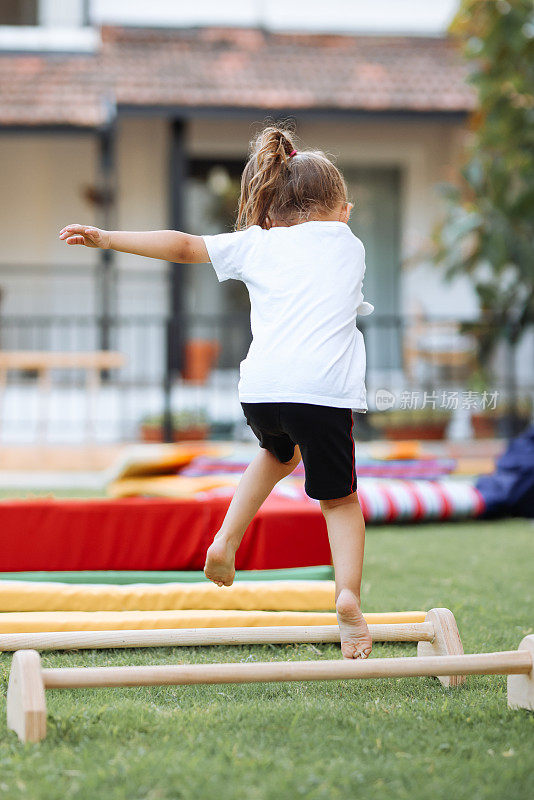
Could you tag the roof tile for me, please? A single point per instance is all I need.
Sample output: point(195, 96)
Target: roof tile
point(240, 67)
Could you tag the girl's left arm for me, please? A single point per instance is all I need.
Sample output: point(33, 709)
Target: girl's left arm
point(183, 248)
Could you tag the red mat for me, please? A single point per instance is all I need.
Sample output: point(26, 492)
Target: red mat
point(153, 534)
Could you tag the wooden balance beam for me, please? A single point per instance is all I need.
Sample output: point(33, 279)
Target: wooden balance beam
point(193, 637)
point(437, 635)
point(26, 703)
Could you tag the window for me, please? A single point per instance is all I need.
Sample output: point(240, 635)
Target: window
point(18, 12)
point(375, 219)
point(213, 189)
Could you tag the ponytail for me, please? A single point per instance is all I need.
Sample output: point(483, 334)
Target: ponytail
point(265, 173)
point(284, 185)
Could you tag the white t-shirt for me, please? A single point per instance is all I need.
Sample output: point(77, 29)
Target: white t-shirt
point(305, 287)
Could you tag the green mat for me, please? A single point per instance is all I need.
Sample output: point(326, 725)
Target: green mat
point(325, 573)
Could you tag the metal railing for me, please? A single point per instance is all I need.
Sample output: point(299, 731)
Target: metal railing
point(412, 363)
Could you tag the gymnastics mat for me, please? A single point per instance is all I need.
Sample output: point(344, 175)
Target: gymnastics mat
point(160, 459)
point(37, 621)
point(203, 466)
point(322, 573)
point(382, 499)
point(154, 534)
point(243, 596)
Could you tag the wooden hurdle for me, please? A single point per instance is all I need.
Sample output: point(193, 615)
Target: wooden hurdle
point(437, 635)
point(26, 703)
point(194, 637)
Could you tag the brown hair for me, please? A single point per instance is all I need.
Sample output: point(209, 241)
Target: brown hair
point(287, 188)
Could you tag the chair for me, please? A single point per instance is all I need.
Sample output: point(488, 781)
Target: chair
point(440, 345)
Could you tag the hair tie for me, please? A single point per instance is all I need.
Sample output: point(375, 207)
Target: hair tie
point(293, 153)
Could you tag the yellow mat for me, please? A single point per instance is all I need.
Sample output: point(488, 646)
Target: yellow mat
point(287, 595)
point(39, 621)
point(177, 486)
point(140, 460)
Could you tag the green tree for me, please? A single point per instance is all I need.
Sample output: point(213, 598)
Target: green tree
point(488, 228)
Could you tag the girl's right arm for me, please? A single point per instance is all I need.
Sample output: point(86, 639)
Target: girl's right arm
point(183, 248)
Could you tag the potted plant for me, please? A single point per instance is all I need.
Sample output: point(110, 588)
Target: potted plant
point(200, 356)
point(418, 423)
point(492, 416)
point(483, 419)
point(187, 424)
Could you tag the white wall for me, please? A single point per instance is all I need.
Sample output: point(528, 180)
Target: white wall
point(61, 13)
point(44, 177)
point(60, 21)
point(143, 204)
point(59, 29)
point(415, 17)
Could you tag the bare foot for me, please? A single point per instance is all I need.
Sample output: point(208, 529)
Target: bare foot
point(356, 640)
point(220, 562)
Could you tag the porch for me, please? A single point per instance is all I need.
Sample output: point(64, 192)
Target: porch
point(413, 363)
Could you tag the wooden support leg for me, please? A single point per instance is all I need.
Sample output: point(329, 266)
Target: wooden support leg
point(446, 642)
point(26, 707)
point(26, 704)
point(521, 687)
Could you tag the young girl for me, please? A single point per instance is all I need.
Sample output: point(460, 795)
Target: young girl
point(305, 369)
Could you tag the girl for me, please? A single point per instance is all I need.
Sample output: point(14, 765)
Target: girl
point(304, 372)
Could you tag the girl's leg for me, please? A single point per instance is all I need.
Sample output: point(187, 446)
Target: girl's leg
point(346, 533)
point(256, 484)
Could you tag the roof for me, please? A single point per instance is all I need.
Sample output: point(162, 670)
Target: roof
point(233, 67)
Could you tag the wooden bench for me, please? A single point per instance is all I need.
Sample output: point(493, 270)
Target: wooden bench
point(440, 344)
point(42, 362)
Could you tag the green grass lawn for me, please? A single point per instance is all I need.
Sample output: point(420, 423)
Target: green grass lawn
point(402, 738)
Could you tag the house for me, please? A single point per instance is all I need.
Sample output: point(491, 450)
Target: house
point(138, 116)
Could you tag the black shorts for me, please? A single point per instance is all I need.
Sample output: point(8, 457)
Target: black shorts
point(324, 436)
